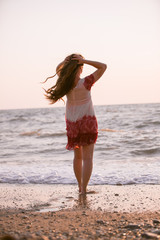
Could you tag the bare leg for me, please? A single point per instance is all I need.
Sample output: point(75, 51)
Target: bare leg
point(87, 166)
point(77, 165)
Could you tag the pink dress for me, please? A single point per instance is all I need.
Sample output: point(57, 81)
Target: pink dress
point(81, 122)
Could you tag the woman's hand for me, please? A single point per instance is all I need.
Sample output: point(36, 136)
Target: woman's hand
point(78, 58)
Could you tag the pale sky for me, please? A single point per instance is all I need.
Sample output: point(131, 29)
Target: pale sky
point(35, 35)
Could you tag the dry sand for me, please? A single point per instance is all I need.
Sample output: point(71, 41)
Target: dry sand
point(59, 212)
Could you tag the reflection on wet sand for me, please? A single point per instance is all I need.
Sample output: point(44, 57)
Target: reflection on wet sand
point(84, 201)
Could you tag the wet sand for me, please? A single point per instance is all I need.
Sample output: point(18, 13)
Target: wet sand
point(59, 212)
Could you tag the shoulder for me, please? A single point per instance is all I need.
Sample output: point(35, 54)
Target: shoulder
point(80, 83)
point(89, 81)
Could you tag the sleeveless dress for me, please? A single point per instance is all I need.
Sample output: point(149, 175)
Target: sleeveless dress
point(81, 122)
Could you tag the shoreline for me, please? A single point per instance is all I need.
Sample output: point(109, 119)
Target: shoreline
point(59, 212)
point(43, 197)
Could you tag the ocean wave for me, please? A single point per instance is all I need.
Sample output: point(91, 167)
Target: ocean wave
point(149, 151)
point(46, 135)
point(55, 178)
point(102, 149)
point(32, 133)
point(109, 130)
point(148, 123)
point(156, 122)
point(51, 150)
point(141, 125)
point(18, 119)
point(42, 135)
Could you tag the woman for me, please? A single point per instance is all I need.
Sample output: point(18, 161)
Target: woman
point(81, 123)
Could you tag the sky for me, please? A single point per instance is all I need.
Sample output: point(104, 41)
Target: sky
point(35, 35)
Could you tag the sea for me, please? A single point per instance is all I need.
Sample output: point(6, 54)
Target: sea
point(33, 146)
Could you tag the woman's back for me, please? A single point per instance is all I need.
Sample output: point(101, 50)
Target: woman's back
point(79, 103)
point(79, 95)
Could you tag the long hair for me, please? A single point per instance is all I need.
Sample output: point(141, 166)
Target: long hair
point(65, 81)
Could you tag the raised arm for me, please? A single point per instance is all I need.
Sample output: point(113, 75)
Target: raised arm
point(101, 67)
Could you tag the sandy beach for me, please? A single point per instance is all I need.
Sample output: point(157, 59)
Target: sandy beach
point(59, 212)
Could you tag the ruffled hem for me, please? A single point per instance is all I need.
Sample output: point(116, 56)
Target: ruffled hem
point(81, 140)
point(85, 125)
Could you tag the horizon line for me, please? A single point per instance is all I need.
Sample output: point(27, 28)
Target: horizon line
point(5, 109)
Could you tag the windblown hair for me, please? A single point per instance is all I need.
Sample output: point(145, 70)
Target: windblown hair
point(65, 81)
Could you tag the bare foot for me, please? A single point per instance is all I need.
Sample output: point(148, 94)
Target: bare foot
point(87, 192)
point(83, 192)
point(91, 192)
